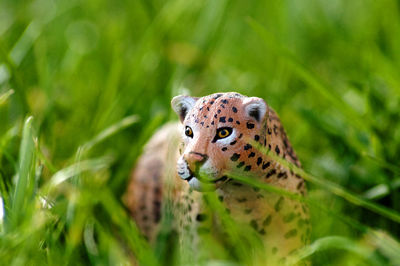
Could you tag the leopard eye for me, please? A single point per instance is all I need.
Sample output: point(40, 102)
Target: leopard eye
point(223, 132)
point(188, 132)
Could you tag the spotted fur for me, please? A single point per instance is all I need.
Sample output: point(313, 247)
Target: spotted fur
point(206, 160)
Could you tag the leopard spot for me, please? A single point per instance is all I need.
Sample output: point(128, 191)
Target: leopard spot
point(240, 165)
point(201, 217)
point(247, 147)
point(250, 125)
point(235, 157)
point(277, 150)
point(291, 233)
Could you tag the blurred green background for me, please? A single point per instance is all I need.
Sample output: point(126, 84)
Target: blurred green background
point(82, 69)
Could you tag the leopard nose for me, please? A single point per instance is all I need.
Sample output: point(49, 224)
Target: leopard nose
point(195, 160)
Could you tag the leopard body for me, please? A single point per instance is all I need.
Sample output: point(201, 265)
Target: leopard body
point(218, 137)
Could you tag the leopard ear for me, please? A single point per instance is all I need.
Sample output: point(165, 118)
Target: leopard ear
point(255, 108)
point(182, 105)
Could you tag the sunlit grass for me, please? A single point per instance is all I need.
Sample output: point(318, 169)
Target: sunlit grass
point(83, 86)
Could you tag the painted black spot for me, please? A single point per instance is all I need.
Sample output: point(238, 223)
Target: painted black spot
point(266, 165)
point(259, 160)
point(277, 150)
point(219, 111)
point(212, 102)
point(202, 123)
point(224, 148)
point(156, 211)
point(235, 157)
point(301, 223)
point(221, 198)
point(256, 189)
point(250, 125)
point(241, 200)
point(297, 176)
point(236, 184)
point(274, 250)
point(240, 136)
point(237, 122)
point(267, 220)
point(262, 232)
point(288, 218)
point(269, 146)
point(282, 174)
point(234, 109)
point(157, 191)
point(269, 131)
point(205, 116)
point(222, 119)
point(253, 223)
point(275, 129)
point(207, 126)
point(240, 164)
point(247, 168)
point(271, 173)
point(291, 233)
point(300, 184)
point(252, 154)
point(196, 121)
point(208, 108)
point(224, 101)
point(215, 116)
point(278, 204)
point(248, 211)
point(256, 137)
point(201, 108)
point(223, 106)
point(247, 146)
point(201, 217)
point(230, 119)
point(212, 123)
point(233, 142)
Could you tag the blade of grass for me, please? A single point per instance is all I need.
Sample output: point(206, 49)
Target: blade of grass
point(111, 130)
point(382, 190)
point(337, 242)
point(76, 169)
point(25, 178)
point(4, 96)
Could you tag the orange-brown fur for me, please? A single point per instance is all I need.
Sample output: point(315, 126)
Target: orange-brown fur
point(282, 223)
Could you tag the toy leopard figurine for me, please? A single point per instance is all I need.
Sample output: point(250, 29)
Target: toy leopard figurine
point(217, 137)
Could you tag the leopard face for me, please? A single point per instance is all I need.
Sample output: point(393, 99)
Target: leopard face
point(216, 133)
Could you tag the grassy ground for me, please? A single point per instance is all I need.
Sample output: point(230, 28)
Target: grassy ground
point(84, 84)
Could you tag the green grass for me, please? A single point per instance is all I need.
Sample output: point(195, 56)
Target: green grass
point(84, 84)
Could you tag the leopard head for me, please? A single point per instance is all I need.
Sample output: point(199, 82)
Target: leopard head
point(216, 134)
